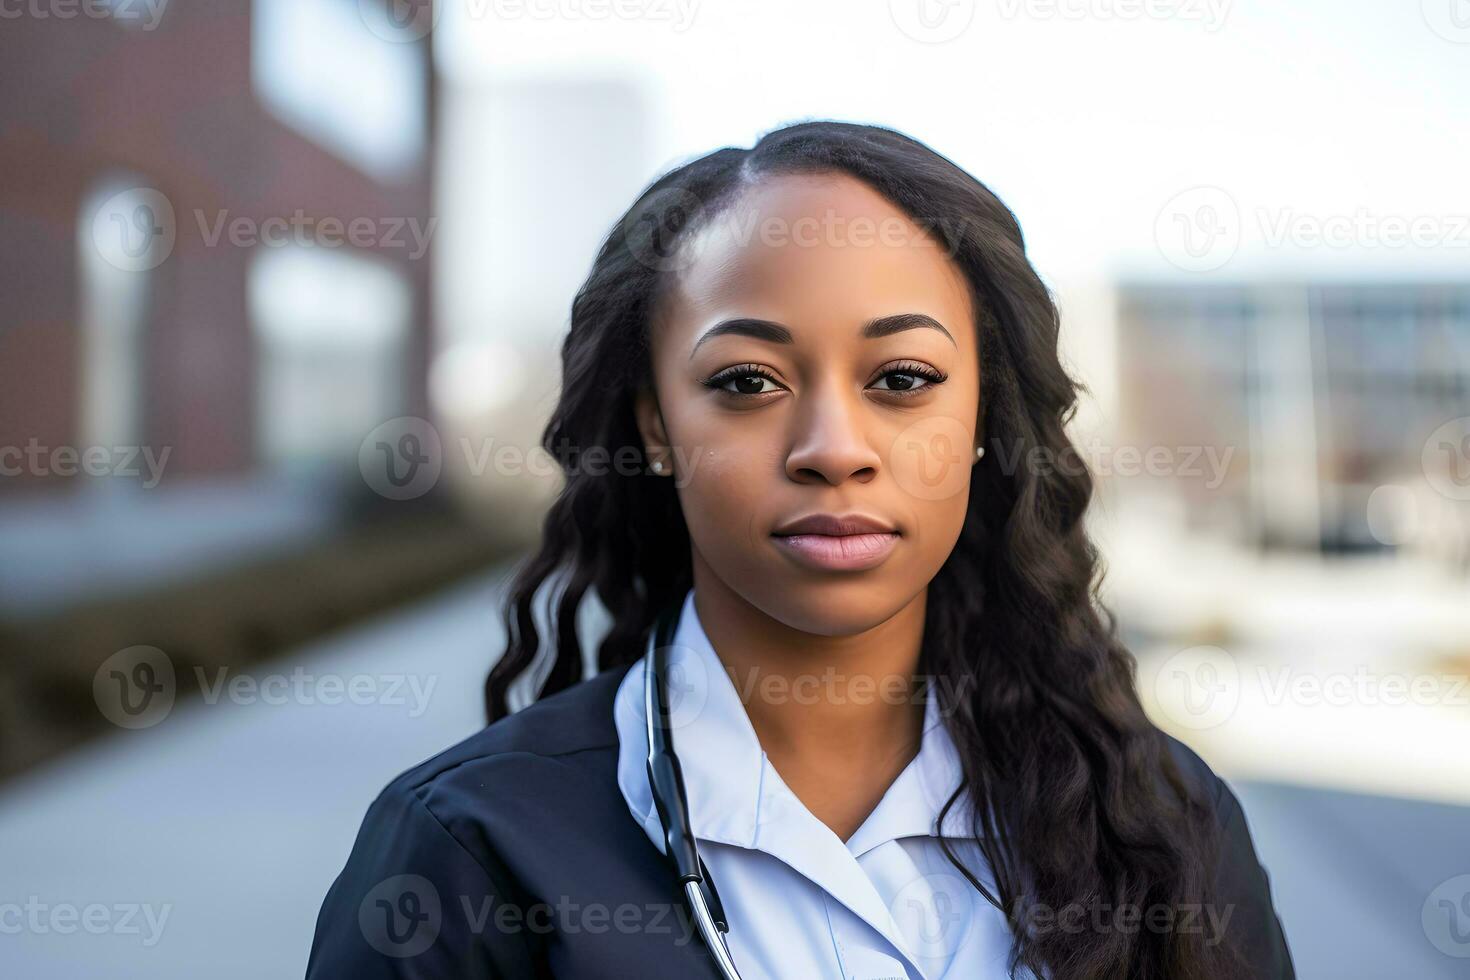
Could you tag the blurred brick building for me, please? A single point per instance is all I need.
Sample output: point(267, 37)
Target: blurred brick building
point(98, 105)
point(215, 230)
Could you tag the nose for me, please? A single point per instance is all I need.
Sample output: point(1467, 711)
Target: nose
point(832, 442)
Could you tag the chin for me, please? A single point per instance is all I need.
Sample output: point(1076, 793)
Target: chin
point(835, 605)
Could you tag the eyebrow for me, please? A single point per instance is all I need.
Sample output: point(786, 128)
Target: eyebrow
point(775, 333)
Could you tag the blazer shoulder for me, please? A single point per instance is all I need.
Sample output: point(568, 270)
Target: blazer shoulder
point(1243, 902)
point(1226, 805)
point(512, 776)
point(1197, 772)
point(462, 829)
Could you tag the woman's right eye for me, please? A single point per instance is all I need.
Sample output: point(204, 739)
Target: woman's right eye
point(747, 384)
point(745, 381)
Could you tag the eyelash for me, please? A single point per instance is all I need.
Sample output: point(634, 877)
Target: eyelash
point(914, 368)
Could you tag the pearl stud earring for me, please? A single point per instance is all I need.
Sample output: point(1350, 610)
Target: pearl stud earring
point(980, 452)
point(658, 466)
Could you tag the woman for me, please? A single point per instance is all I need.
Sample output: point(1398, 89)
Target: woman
point(812, 414)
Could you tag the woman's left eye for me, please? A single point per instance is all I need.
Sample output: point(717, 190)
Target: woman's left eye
point(909, 379)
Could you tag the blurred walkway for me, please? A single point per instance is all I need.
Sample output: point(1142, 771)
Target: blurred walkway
point(233, 818)
point(1352, 874)
point(262, 801)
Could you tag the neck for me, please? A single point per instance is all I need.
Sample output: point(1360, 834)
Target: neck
point(835, 701)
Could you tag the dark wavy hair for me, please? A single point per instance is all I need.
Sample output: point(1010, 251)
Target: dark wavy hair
point(1078, 802)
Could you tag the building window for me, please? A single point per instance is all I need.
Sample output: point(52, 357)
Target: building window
point(124, 231)
point(331, 329)
point(318, 67)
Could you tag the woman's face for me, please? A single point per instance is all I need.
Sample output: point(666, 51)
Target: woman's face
point(798, 361)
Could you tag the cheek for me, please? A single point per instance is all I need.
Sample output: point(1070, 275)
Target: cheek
point(931, 461)
point(721, 495)
point(931, 464)
point(937, 525)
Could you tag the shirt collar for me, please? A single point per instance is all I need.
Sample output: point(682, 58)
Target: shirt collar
point(735, 794)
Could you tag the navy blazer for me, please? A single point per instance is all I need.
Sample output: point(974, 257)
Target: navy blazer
point(513, 854)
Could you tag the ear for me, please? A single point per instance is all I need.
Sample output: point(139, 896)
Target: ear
point(650, 422)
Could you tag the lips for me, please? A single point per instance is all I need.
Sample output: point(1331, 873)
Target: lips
point(828, 542)
point(832, 524)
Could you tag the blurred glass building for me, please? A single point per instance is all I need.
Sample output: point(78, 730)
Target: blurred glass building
point(1333, 396)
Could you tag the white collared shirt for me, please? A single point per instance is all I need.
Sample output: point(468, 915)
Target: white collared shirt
point(802, 903)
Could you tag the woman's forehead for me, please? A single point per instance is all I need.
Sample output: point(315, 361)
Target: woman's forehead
point(803, 246)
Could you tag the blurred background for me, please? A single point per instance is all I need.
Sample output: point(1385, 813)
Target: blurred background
point(284, 283)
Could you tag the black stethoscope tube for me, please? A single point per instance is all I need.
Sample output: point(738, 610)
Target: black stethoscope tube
point(666, 780)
